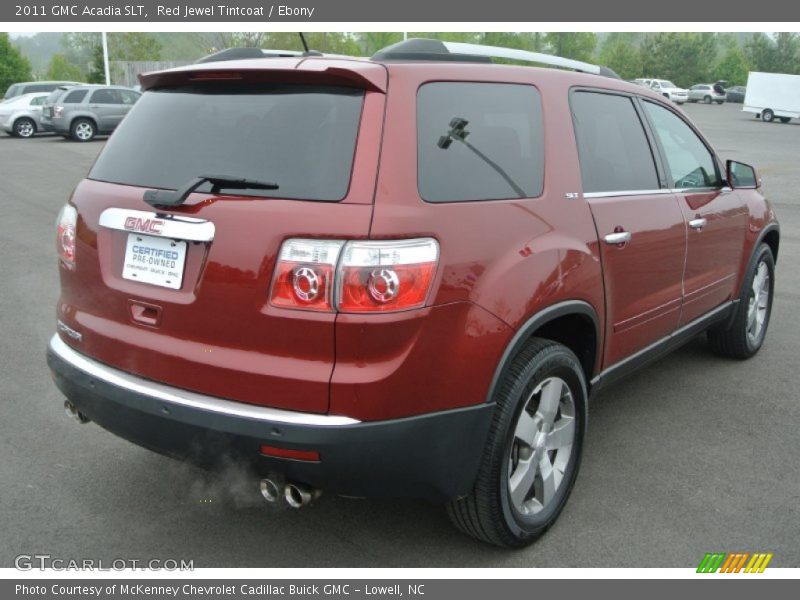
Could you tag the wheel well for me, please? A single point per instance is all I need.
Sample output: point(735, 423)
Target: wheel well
point(18, 119)
point(576, 332)
point(90, 119)
point(772, 239)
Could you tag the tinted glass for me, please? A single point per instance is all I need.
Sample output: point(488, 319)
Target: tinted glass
point(128, 97)
point(300, 137)
point(38, 101)
point(689, 161)
point(479, 141)
point(40, 87)
point(614, 152)
point(75, 97)
point(12, 91)
point(106, 97)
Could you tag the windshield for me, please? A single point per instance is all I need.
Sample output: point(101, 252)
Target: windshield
point(300, 136)
point(668, 84)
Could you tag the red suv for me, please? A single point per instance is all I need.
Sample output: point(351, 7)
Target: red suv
point(402, 276)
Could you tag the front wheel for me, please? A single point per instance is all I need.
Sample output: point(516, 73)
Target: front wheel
point(745, 335)
point(707, 100)
point(767, 116)
point(533, 450)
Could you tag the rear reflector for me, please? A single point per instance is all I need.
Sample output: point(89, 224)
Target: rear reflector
point(307, 455)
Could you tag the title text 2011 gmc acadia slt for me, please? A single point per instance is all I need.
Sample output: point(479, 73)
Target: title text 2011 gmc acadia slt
point(401, 276)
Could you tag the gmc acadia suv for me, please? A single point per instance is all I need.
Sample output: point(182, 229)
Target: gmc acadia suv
point(401, 276)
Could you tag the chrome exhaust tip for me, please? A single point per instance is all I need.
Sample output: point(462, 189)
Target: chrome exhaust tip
point(298, 495)
point(73, 412)
point(270, 489)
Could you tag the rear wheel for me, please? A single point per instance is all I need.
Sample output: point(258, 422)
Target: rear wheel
point(746, 333)
point(785, 119)
point(82, 130)
point(24, 127)
point(533, 450)
point(767, 116)
point(707, 100)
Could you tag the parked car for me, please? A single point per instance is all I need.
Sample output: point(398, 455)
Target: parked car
point(735, 94)
point(706, 93)
point(83, 111)
point(29, 87)
point(669, 90)
point(773, 96)
point(267, 265)
point(21, 116)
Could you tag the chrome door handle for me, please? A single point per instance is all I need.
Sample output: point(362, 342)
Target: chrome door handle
point(618, 237)
point(698, 223)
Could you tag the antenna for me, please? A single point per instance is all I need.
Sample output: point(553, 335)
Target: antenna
point(303, 39)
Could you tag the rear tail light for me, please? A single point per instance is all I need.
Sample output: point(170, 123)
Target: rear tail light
point(357, 276)
point(65, 241)
point(304, 275)
point(386, 275)
point(58, 111)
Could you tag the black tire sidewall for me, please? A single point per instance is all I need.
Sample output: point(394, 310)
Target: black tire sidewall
point(74, 126)
point(768, 116)
point(561, 363)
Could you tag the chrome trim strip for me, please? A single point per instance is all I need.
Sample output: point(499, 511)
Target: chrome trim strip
point(521, 55)
point(172, 395)
point(176, 227)
point(723, 190)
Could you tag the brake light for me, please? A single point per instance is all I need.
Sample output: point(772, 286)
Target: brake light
point(304, 275)
point(383, 276)
point(65, 241)
point(357, 276)
point(58, 111)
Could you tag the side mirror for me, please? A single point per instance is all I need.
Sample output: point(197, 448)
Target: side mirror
point(742, 176)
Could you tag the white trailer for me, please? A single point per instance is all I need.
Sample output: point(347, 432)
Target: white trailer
point(773, 96)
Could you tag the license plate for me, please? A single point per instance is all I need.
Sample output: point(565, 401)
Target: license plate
point(157, 261)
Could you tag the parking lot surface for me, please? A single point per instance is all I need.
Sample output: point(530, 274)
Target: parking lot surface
point(692, 454)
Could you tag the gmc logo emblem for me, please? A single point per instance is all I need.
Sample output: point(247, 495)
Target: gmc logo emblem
point(144, 225)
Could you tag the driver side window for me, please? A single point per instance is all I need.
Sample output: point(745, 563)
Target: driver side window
point(690, 162)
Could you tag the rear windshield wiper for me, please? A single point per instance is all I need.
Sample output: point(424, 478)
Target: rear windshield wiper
point(218, 182)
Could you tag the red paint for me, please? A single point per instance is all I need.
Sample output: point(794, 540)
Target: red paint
point(500, 263)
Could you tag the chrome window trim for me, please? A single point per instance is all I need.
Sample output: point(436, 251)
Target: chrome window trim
point(175, 227)
point(188, 399)
point(723, 190)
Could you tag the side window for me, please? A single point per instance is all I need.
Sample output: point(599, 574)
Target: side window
point(128, 97)
point(75, 97)
point(689, 161)
point(38, 100)
point(40, 87)
point(614, 152)
point(105, 97)
point(479, 141)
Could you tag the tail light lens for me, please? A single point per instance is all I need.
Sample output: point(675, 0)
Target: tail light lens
point(304, 275)
point(65, 241)
point(385, 276)
point(357, 276)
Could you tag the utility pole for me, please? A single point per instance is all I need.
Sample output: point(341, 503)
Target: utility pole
point(105, 58)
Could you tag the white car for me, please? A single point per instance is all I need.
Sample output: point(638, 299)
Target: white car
point(669, 90)
point(21, 116)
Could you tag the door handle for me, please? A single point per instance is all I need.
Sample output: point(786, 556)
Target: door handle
point(618, 237)
point(698, 223)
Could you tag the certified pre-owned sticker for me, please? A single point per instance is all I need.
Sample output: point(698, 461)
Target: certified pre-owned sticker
point(156, 261)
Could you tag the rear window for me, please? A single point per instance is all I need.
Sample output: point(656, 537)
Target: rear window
point(479, 141)
point(12, 91)
point(300, 137)
point(75, 96)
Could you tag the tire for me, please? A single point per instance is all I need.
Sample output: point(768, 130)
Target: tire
point(707, 100)
point(546, 384)
point(785, 119)
point(745, 335)
point(82, 130)
point(767, 115)
point(720, 102)
point(24, 127)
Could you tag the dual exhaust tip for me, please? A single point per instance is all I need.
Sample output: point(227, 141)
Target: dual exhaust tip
point(296, 495)
point(73, 412)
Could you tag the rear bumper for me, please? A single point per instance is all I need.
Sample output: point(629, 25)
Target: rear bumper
point(433, 457)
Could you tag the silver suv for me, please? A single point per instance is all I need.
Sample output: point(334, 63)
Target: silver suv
point(83, 111)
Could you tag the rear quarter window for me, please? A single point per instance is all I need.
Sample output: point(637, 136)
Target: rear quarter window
point(479, 141)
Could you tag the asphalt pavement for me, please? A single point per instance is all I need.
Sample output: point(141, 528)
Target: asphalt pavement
point(692, 454)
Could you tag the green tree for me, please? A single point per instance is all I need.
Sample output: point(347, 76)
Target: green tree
point(61, 68)
point(733, 67)
point(13, 66)
point(86, 50)
point(575, 45)
point(761, 53)
point(373, 41)
point(684, 58)
point(621, 56)
point(787, 52)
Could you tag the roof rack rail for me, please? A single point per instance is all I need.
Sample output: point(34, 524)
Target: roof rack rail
point(242, 53)
point(436, 50)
